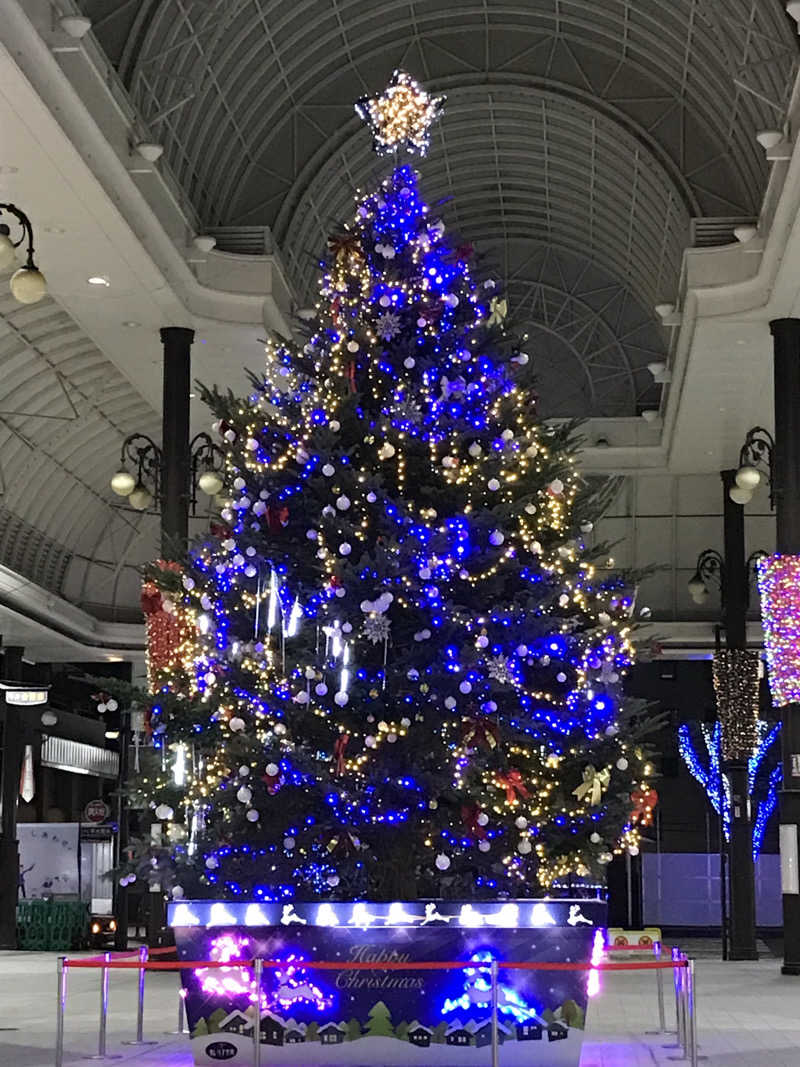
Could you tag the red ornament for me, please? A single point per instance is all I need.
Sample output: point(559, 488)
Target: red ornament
point(151, 599)
point(220, 530)
point(644, 801)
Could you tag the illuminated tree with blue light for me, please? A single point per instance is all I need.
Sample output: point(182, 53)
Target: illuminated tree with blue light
point(403, 675)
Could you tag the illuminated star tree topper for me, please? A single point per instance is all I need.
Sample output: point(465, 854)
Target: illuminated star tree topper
point(401, 117)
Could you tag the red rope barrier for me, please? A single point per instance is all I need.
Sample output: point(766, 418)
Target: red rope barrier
point(382, 965)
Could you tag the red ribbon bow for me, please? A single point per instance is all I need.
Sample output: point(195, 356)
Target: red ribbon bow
point(277, 517)
point(351, 374)
point(475, 732)
point(338, 752)
point(469, 817)
point(151, 599)
point(513, 785)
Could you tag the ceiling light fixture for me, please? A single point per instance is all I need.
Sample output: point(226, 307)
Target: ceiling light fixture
point(204, 242)
point(98, 279)
point(76, 26)
point(131, 324)
point(149, 150)
point(661, 373)
point(669, 314)
point(650, 415)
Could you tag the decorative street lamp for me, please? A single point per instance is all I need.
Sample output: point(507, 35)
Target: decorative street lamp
point(756, 458)
point(141, 464)
point(27, 284)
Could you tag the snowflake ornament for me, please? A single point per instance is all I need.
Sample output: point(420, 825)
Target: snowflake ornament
point(376, 628)
point(499, 669)
point(388, 326)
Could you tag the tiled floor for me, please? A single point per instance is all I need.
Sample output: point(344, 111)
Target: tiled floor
point(749, 1016)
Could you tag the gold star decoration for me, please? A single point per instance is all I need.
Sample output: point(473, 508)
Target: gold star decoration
point(401, 116)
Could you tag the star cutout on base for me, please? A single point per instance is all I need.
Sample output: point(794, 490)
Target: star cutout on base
point(401, 117)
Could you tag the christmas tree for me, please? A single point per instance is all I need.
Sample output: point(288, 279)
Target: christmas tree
point(394, 669)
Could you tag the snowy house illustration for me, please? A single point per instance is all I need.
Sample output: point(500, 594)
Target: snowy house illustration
point(272, 1029)
point(331, 1034)
point(529, 1031)
point(457, 1035)
point(483, 1034)
point(236, 1023)
point(294, 1037)
point(420, 1035)
point(557, 1032)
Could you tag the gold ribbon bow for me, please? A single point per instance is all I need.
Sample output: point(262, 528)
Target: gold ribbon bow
point(498, 306)
point(593, 784)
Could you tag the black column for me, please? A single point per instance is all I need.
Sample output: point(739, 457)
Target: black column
point(786, 481)
point(734, 606)
point(176, 461)
point(12, 766)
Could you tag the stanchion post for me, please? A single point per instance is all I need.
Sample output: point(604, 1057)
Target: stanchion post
point(257, 968)
point(139, 1040)
point(102, 1032)
point(495, 1035)
point(60, 1010)
point(662, 1018)
point(182, 1027)
point(692, 1012)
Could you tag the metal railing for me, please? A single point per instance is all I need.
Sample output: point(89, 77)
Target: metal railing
point(682, 967)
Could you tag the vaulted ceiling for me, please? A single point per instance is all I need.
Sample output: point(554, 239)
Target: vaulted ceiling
point(579, 141)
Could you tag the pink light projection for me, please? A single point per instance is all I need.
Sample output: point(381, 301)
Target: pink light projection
point(779, 586)
point(598, 950)
point(293, 985)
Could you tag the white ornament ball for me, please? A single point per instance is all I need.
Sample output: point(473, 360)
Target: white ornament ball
point(409, 362)
point(405, 722)
point(507, 435)
point(177, 892)
point(244, 770)
point(341, 699)
point(587, 527)
point(164, 812)
point(371, 497)
point(466, 687)
point(475, 449)
point(321, 689)
point(334, 425)
point(561, 677)
point(556, 486)
point(252, 815)
point(329, 470)
point(236, 724)
point(340, 592)
point(244, 795)
point(493, 485)
point(633, 850)
point(522, 650)
point(524, 847)
point(496, 537)
point(288, 843)
point(442, 862)
point(212, 863)
point(391, 737)
point(604, 858)
point(622, 764)
point(604, 618)
point(252, 446)
point(530, 509)
point(352, 346)
point(484, 846)
point(370, 741)
point(595, 838)
point(272, 770)
point(450, 703)
point(433, 804)
point(345, 548)
point(332, 880)
point(342, 502)
point(482, 641)
point(385, 301)
point(612, 730)
point(302, 697)
point(521, 822)
point(279, 729)
point(386, 451)
point(482, 818)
